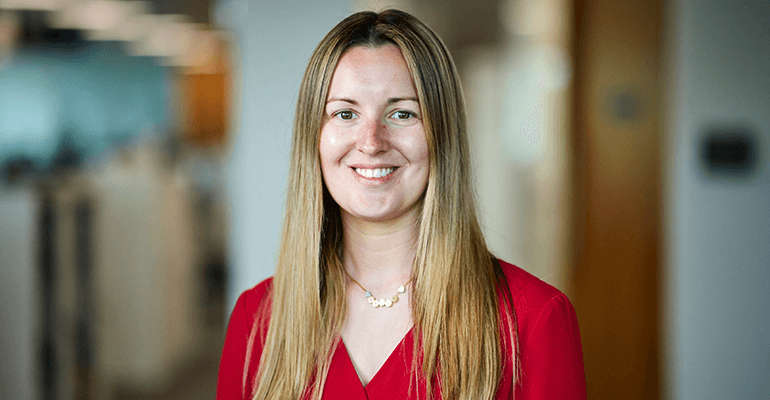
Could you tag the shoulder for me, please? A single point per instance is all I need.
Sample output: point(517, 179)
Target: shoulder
point(252, 298)
point(550, 353)
point(252, 310)
point(538, 306)
point(252, 305)
point(522, 282)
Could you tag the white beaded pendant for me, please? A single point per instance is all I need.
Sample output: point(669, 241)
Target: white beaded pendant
point(384, 302)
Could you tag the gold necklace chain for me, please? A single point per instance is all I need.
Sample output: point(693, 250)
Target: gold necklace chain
point(381, 302)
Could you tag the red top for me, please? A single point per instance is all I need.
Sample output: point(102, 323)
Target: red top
point(551, 358)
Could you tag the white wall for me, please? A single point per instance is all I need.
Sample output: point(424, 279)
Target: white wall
point(19, 299)
point(275, 40)
point(145, 274)
point(517, 101)
point(717, 283)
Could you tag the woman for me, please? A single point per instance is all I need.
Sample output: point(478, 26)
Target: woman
point(384, 287)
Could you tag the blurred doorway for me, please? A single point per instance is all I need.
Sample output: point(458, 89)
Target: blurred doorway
point(617, 182)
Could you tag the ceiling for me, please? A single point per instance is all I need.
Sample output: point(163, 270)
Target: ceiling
point(177, 31)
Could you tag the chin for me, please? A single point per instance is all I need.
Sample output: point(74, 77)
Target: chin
point(376, 217)
point(381, 215)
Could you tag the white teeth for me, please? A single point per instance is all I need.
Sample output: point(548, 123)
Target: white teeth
point(374, 173)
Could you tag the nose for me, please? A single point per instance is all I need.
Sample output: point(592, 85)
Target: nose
point(372, 138)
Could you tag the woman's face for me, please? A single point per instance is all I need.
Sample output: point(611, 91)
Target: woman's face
point(374, 155)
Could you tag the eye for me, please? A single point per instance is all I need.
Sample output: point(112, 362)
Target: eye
point(403, 114)
point(345, 115)
point(403, 118)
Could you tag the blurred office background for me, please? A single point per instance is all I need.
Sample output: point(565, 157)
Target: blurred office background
point(621, 153)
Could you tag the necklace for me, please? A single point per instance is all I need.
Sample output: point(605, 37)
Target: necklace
point(381, 302)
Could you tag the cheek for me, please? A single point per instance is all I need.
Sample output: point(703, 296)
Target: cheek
point(418, 148)
point(326, 148)
point(424, 151)
point(331, 151)
point(424, 155)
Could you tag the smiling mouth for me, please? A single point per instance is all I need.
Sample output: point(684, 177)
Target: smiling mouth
point(374, 172)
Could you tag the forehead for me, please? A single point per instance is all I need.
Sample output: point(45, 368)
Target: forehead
point(381, 68)
point(362, 54)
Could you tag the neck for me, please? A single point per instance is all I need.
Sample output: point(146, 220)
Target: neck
point(380, 254)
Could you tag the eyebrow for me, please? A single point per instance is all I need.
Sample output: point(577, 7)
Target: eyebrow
point(397, 99)
point(351, 101)
point(390, 100)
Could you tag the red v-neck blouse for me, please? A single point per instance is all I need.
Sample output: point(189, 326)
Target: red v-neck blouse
point(551, 358)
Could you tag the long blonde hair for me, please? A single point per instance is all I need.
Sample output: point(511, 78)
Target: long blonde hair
point(457, 325)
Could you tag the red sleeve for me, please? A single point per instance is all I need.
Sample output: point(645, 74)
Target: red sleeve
point(232, 383)
point(551, 354)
